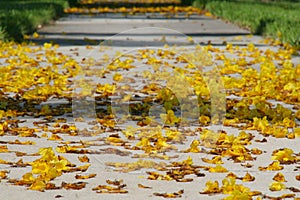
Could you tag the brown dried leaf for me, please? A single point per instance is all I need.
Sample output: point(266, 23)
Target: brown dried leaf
point(20, 154)
point(52, 186)
point(3, 174)
point(85, 176)
point(279, 177)
point(73, 186)
point(83, 158)
point(293, 189)
point(248, 178)
point(248, 165)
point(115, 182)
point(116, 151)
point(117, 188)
point(119, 191)
point(170, 195)
point(285, 196)
point(144, 187)
point(81, 168)
point(4, 149)
point(262, 141)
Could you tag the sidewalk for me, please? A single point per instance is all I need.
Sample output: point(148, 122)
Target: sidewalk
point(75, 28)
point(78, 37)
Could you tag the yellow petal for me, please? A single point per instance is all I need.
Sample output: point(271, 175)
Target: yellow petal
point(248, 178)
point(38, 185)
point(279, 177)
point(276, 186)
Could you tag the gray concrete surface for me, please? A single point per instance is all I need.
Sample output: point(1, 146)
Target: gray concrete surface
point(125, 34)
point(77, 29)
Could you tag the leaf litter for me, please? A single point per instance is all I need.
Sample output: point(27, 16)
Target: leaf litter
point(26, 89)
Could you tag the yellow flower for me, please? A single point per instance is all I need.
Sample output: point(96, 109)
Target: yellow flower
point(274, 166)
point(237, 195)
point(170, 118)
point(28, 178)
point(194, 147)
point(279, 177)
point(38, 185)
point(35, 35)
point(214, 160)
point(284, 156)
point(211, 188)
point(117, 77)
point(47, 45)
point(218, 169)
point(248, 178)
point(276, 186)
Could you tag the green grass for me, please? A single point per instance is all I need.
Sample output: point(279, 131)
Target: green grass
point(20, 17)
point(267, 18)
point(263, 17)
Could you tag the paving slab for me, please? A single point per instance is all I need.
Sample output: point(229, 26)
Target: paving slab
point(77, 29)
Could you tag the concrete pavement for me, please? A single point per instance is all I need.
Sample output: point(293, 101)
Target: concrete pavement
point(74, 32)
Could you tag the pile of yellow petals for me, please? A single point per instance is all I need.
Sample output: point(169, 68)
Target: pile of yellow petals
point(167, 10)
point(36, 73)
point(131, 1)
point(44, 169)
point(229, 186)
point(265, 82)
point(48, 167)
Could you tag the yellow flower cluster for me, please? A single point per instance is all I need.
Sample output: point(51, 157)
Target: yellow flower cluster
point(34, 73)
point(229, 186)
point(47, 168)
point(136, 10)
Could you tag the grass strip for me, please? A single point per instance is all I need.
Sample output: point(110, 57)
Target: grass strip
point(276, 19)
point(18, 18)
